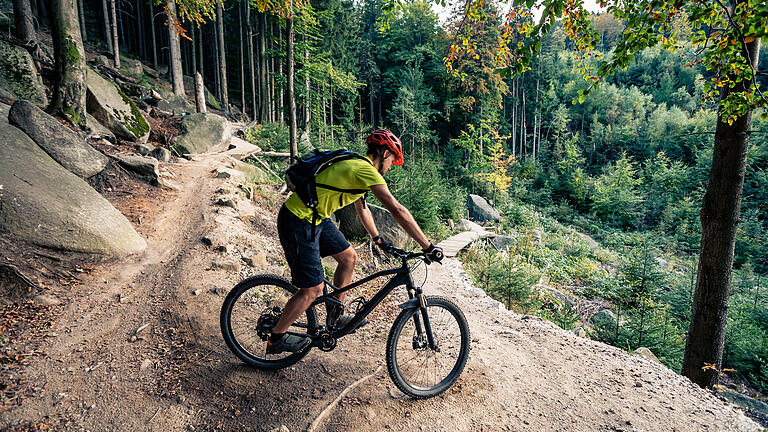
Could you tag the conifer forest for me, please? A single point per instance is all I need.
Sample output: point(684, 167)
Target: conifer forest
point(624, 144)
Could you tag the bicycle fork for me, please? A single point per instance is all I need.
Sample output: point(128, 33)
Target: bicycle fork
point(418, 299)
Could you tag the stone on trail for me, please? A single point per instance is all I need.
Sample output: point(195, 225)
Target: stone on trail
point(142, 149)
point(18, 74)
point(480, 210)
point(142, 165)
point(60, 142)
point(202, 132)
point(47, 205)
point(350, 225)
point(502, 242)
point(114, 109)
point(162, 154)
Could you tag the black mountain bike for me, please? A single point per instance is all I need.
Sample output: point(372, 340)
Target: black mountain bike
point(428, 343)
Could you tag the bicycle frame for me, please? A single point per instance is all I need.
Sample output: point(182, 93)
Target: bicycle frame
point(402, 276)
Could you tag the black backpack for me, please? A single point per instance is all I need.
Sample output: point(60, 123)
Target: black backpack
point(301, 176)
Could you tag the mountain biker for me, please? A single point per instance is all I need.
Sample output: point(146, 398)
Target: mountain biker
point(303, 250)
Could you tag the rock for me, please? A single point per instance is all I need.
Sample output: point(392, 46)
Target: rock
point(175, 105)
point(578, 331)
point(101, 60)
point(350, 225)
point(560, 296)
point(646, 353)
point(45, 299)
point(142, 165)
point(751, 404)
point(227, 201)
point(252, 172)
point(228, 265)
point(114, 109)
point(137, 91)
point(7, 94)
point(538, 236)
point(502, 242)
point(662, 262)
point(480, 210)
point(132, 68)
point(162, 154)
point(49, 206)
point(98, 131)
point(282, 428)
point(197, 292)
point(592, 243)
point(465, 225)
point(4, 110)
point(202, 132)
point(210, 99)
point(162, 69)
point(150, 72)
point(19, 74)
point(305, 145)
point(146, 364)
point(142, 149)
point(257, 260)
point(603, 316)
point(60, 142)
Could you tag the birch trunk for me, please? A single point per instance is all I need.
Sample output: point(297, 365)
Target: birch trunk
point(115, 44)
point(154, 36)
point(251, 70)
point(263, 93)
point(242, 62)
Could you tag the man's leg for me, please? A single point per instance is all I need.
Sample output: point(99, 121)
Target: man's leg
point(343, 275)
point(296, 306)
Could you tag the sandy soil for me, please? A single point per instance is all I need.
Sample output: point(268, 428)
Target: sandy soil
point(138, 347)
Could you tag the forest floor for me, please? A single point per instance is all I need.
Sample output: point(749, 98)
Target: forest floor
point(134, 345)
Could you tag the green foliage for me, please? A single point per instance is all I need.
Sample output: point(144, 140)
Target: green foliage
point(269, 136)
point(615, 199)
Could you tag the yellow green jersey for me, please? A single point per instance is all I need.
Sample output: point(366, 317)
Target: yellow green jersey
point(346, 174)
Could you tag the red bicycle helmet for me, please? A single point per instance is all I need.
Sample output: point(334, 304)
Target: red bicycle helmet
point(385, 138)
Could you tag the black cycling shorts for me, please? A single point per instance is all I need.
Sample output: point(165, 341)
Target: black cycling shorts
point(302, 252)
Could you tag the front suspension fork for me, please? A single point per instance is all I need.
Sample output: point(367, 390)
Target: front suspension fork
point(417, 319)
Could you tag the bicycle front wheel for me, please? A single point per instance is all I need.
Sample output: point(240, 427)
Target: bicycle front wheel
point(415, 368)
point(248, 314)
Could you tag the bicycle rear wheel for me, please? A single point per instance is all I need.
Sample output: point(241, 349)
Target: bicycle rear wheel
point(248, 314)
point(414, 367)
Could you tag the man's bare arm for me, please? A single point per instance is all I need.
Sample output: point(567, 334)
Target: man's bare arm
point(400, 213)
point(364, 213)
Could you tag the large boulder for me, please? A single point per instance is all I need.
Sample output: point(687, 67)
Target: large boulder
point(4, 110)
point(60, 142)
point(480, 210)
point(351, 227)
point(45, 204)
point(19, 74)
point(114, 109)
point(502, 242)
point(98, 130)
point(202, 132)
point(131, 67)
point(175, 105)
point(210, 99)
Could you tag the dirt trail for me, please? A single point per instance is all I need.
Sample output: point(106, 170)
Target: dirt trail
point(176, 374)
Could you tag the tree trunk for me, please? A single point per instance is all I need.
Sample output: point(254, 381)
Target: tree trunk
point(272, 74)
point(69, 93)
point(251, 70)
point(199, 93)
point(176, 72)
point(140, 24)
point(154, 37)
point(119, 24)
point(263, 93)
point(370, 102)
point(22, 17)
point(291, 94)
point(107, 28)
point(222, 57)
point(194, 48)
point(201, 64)
point(81, 13)
point(308, 97)
point(115, 44)
point(242, 61)
point(719, 219)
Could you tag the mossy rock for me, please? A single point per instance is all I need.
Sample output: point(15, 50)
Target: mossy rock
point(113, 109)
point(203, 132)
point(19, 75)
